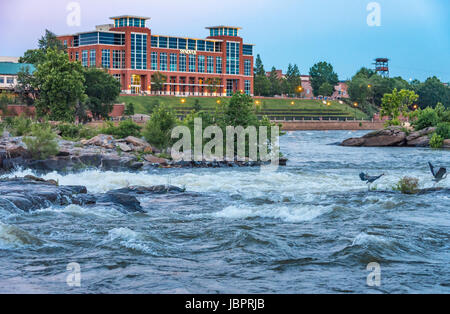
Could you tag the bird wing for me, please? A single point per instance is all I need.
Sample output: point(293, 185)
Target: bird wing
point(432, 169)
point(363, 176)
point(440, 174)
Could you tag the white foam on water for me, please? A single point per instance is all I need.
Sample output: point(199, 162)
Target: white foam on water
point(13, 237)
point(293, 214)
point(364, 239)
point(78, 211)
point(129, 239)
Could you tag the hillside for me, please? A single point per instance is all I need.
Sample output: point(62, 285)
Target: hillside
point(276, 109)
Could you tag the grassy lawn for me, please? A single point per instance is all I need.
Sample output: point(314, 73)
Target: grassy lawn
point(271, 107)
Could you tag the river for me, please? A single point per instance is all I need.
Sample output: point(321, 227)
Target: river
point(310, 227)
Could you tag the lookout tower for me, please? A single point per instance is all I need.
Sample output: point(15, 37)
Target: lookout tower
point(382, 66)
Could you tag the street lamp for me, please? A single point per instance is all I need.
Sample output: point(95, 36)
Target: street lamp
point(183, 100)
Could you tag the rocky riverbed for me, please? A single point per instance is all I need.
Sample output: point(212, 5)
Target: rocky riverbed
point(101, 152)
point(394, 136)
point(31, 193)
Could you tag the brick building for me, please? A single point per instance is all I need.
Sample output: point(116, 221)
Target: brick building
point(219, 65)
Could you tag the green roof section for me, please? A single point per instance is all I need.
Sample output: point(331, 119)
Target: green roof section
point(10, 68)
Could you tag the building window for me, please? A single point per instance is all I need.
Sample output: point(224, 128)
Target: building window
point(163, 61)
point(219, 65)
point(247, 68)
point(201, 45)
point(182, 63)
point(210, 64)
point(65, 43)
point(182, 43)
point(173, 43)
point(139, 51)
point(106, 59)
point(173, 62)
point(201, 64)
point(9, 80)
point(210, 46)
point(162, 42)
point(154, 57)
point(247, 50)
point(77, 56)
point(154, 41)
point(232, 58)
point(92, 58)
point(192, 59)
point(84, 58)
point(2, 80)
point(192, 44)
point(118, 59)
point(247, 87)
point(117, 77)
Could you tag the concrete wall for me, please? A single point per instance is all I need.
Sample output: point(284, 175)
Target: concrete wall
point(331, 125)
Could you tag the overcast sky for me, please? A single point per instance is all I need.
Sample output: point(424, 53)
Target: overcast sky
point(414, 34)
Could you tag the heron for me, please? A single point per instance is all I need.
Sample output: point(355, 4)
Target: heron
point(369, 179)
point(438, 176)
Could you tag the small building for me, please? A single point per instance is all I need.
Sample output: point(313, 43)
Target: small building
point(9, 69)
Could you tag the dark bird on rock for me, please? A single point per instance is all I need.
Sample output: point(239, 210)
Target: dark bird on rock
point(440, 175)
point(369, 179)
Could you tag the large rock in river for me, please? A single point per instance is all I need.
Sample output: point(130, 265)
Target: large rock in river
point(392, 136)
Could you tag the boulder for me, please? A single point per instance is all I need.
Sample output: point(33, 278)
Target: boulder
point(155, 160)
point(423, 141)
point(124, 147)
point(392, 136)
point(354, 141)
point(446, 144)
point(136, 142)
point(106, 141)
point(420, 133)
point(14, 151)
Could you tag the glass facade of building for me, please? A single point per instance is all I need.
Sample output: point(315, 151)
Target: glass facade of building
point(182, 63)
point(106, 58)
point(201, 64)
point(192, 59)
point(173, 62)
point(129, 21)
point(99, 38)
point(247, 68)
point(210, 64)
point(84, 58)
point(232, 58)
point(139, 51)
point(247, 87)
point(163, 61)
point(118, 59)
point(93, 58)
point(219, 65)
point(154, 57)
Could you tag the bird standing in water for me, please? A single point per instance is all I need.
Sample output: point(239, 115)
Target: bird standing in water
point(369, 179)
point(440, 175)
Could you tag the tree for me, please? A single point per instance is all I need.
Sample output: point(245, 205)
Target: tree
point(275, 84)
point(129, 109)
point(213, 84)
point(102, 90)
point(240, 111)
point(158, 129)
point(320, 73)
point(397, 103)
point(25, 87)
point(293, 79)
point(37, 56)
point(61, 86)
point(261, 81)
point(158, 80)
point(326, 89)
point(433, 91)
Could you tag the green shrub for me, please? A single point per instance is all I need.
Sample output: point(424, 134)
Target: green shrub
point(426, 118)
point(71, 131)
point(436, 141)
point(124, 129)
point(158, 129)
point(407, 185)
point(443, 130)
point(42, 144)
point(19, 126)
